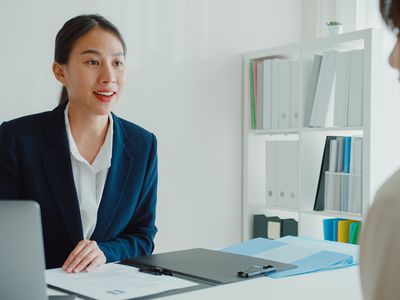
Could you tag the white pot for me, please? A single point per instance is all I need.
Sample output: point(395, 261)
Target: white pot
point(335, 29)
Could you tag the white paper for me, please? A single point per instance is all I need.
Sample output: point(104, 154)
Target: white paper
point(114, 281)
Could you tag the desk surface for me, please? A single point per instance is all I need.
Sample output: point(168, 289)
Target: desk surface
point(335, 284)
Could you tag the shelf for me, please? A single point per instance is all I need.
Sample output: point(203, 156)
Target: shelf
point(312, 129)
point(284, 131)
point(302, 168)
point(344, 215)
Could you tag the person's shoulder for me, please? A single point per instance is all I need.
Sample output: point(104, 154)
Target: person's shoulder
point(27, 123)
point(133, 130)
point(388, 195)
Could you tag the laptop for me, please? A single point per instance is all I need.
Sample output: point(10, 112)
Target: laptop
point(22, 261)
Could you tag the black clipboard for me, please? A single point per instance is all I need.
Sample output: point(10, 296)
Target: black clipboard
point(203, 266)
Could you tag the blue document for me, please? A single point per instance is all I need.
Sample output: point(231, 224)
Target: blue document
point(309, 255)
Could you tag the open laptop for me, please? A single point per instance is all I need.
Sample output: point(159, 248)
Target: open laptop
point(22, 261)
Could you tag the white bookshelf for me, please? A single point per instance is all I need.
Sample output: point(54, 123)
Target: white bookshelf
point(381, 123)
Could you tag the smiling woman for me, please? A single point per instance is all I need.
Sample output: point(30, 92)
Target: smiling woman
point(77, 160)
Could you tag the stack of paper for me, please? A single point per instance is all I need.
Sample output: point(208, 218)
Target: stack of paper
point(309, 255)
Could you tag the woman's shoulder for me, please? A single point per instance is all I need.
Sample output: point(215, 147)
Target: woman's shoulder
point(27, 123)
point(133, 130)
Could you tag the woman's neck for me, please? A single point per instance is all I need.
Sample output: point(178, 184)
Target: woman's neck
point(88, 130)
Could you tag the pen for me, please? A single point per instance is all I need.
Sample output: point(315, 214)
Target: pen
point(260, 272)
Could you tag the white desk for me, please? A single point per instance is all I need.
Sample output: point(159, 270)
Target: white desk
point(335, 284)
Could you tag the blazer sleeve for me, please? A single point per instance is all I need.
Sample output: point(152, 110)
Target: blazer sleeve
point(137, 238)
point(10, 180)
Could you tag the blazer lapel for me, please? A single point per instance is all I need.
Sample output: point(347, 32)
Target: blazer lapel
point(57, 164)
point(117, 177)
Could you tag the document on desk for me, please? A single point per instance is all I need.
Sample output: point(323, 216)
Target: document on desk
point(114, 281)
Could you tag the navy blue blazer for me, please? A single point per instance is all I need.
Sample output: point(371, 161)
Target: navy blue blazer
point(35, 163)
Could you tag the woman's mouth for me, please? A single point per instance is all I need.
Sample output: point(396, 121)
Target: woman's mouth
point(104, 96)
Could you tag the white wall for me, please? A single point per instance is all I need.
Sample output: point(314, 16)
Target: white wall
point(185, 85)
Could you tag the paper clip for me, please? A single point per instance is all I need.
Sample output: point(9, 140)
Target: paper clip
point(154, 270)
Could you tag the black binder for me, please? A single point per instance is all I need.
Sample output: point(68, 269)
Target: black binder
point(203, 266)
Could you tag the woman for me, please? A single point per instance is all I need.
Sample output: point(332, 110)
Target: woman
point(93, 173)
point(380, 241)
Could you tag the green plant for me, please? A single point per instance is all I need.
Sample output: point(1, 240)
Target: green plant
point(333, 23)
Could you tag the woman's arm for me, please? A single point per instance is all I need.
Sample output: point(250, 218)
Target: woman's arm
point(137, 238)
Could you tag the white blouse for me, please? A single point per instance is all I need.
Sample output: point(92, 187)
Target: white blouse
point(90, 179)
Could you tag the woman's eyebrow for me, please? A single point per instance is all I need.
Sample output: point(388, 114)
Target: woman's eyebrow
point(92, 51)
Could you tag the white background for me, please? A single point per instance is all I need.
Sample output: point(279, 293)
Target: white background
point(184, 84)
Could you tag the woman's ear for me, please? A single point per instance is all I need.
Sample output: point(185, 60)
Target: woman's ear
point(58, 71)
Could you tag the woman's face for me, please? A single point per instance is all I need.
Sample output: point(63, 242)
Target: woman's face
point(95, 73)
point(394, 58)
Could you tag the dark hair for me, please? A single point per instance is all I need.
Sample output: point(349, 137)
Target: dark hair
point(72, 30)
point(390, 11)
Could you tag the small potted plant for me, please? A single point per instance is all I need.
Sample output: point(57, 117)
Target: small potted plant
point(334, 27)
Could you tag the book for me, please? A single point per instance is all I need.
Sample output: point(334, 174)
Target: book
point(320, 195)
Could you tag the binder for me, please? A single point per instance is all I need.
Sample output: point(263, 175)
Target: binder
point(324, 91)
point(287, 164)
point(260, 225)
point(267, 94)
point(252, 97)
point(260, 93)
point(343, 230)
point(271, 168)
point(275, 94)
point(284, 84)
point(311, 89)
point(294, 121)
point(341, 89)
point(320, 196)
point(355, 113)
point(208, 267)
point(354, 232)
point(289, 227)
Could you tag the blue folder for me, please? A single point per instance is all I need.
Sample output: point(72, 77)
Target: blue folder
point(310, 255)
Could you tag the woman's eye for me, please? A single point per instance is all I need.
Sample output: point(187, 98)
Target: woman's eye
point(119, 63)
point(93, 62)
